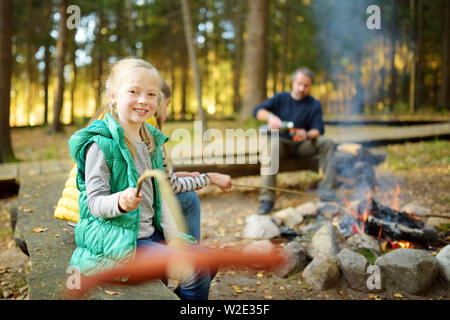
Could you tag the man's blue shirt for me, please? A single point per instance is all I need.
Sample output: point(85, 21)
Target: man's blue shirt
point(306, 113)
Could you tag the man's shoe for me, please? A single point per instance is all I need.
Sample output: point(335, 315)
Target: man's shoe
point(266, 207)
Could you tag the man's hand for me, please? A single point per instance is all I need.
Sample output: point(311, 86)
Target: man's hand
point(128, 200)
point(299, 135)
point(223, 181)
point(313, 134)
point(273, 122)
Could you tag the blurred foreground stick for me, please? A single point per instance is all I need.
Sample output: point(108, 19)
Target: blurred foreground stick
point(150, 264)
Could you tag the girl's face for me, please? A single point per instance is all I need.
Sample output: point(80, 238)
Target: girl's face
point(136, 98)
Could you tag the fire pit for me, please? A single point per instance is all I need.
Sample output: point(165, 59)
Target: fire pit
point(366, 238)
point(400, 229)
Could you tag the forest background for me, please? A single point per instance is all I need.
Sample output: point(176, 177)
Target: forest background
point(222, 58)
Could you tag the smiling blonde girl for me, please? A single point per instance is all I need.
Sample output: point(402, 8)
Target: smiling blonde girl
point(110, 155)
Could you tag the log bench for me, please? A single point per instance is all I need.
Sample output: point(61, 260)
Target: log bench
point(50, 243)
point(248, 169)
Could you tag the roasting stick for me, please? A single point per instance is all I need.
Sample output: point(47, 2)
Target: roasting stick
point(302, 193)
point(312, 194)
point(167, 195)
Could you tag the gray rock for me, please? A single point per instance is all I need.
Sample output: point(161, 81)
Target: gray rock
point(354, 268)
point(416, 209)
point(363, 241)
point(307, 209)
point(13, 258)
point(260, 227)
point(437, 222)
point(296, 259)
point(325, 241)
point(443, 257)
point(290, 217)
point(411, 270)
point(322, 272)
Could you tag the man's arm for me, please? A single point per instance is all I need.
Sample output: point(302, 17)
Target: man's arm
point(317, 124)
point(266, 112)
point(273, 121)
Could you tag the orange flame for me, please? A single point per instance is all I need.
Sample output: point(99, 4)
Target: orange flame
point(395, 199)
point(379, 232)
point(401, 244)
point(365, 213)
point(355, 215)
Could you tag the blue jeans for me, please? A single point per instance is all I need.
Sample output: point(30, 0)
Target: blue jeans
point(190, 205)
point(196, 287)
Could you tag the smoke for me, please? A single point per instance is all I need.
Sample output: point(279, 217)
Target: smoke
point(345, 40)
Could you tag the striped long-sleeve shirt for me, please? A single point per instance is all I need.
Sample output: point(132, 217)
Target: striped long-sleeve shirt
point(183, 184)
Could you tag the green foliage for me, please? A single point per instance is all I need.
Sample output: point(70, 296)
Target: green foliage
point(370, 255)
point(418, 156)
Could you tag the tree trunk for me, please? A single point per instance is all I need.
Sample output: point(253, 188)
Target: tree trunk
point(47, 56)
point(445, 87)
point(6, 32)
point(393, 85)
point(255, 63)
point(358, 99)
point(238, 25)
point(30, 63)
point(412, 60)
point(99, 45)
point(61, 51)
point(184, 81)
point(285, 36)
point(419, 55)
point(74, 81)
point(193, 60)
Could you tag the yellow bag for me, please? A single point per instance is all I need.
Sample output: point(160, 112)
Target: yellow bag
point(67, 207)
point(152, 121)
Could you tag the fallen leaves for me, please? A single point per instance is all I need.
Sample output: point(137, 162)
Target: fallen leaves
point(25, 209)
point(112, 293)
point(39, 230)
point(236, 289)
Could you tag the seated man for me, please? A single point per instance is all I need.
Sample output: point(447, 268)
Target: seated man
point(308, 141)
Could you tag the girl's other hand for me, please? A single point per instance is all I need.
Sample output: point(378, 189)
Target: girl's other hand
point(128, 200)
point(223, 181)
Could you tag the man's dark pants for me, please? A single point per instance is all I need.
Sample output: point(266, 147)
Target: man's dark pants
point(322, 147)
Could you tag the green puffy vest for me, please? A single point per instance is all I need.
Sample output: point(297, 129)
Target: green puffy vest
point(104, 243)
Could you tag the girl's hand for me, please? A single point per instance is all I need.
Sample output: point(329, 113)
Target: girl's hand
point(181, 174)
point(223, 181)
point(128, 200)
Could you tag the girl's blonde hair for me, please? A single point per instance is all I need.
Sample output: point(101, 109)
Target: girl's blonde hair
point(118, 73)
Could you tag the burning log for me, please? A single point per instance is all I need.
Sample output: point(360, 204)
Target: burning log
point(385, 222)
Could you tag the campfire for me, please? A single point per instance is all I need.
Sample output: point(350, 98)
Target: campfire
point(399, 229)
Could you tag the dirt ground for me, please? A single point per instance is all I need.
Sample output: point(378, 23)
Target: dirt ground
point(223, 220)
